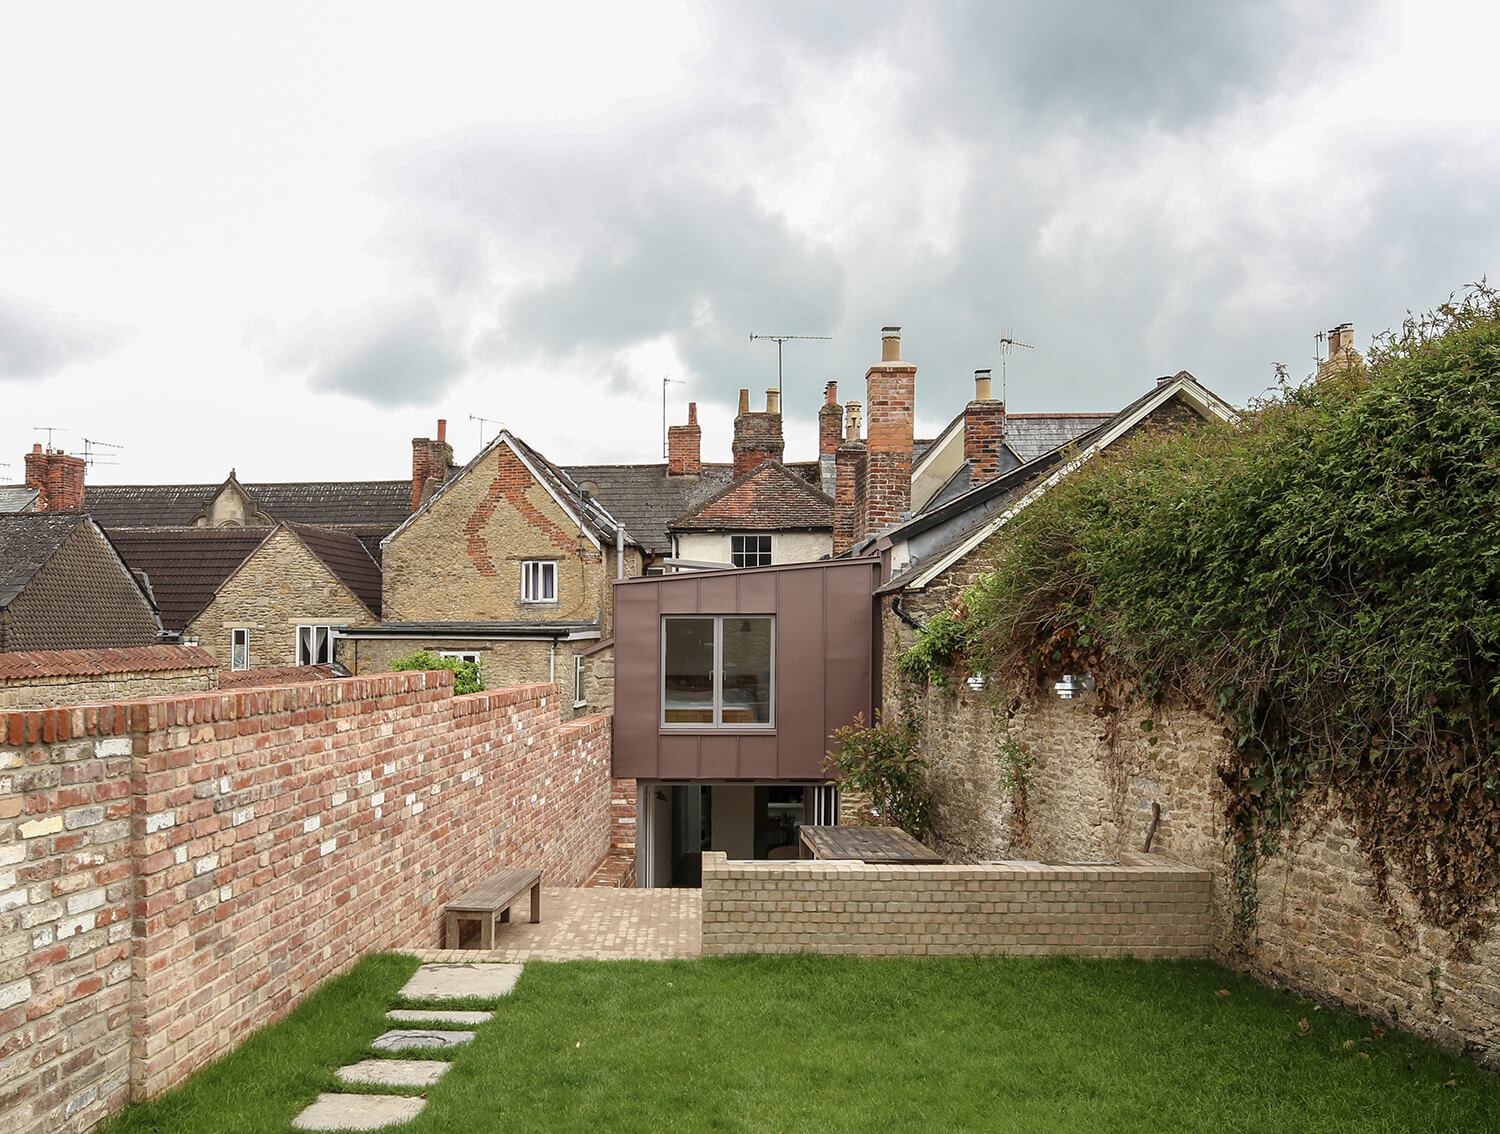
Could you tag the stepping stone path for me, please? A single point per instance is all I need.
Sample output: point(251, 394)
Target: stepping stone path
point(430, 982)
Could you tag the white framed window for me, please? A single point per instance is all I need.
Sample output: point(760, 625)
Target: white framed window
point(239, 648)
point(750, 550)
point(539, 580)
point(718, 671)
point(314, 645)
point(578, 697)
point(461, 655)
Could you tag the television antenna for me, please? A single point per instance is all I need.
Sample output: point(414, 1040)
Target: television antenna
point(483, 421)
point(1319, 339)
point(49, 430)
point(1008, 343)
point(778, 340)
point(90, 448)
point(664, 382)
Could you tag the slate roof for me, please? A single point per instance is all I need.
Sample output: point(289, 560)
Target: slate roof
point(16, 497)
point(19, 665)
point(184, 567)
point(347, 557)
point(27, 541)
point(1029, 435)
point(646, 500)
point(376, 505)
point(771, 497)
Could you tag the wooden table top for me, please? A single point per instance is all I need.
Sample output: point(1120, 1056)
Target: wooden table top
point(882, 846)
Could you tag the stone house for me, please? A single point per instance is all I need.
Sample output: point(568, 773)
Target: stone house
point(63, 585)
point(769, 515)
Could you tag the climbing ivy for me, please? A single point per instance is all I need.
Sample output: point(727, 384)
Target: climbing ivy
point(1326, 576)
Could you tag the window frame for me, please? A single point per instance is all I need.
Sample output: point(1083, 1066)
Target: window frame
point(327, 628)
point(717, 724)
point(762, 549)
point(545, 569)
point(464, 656)
point(578, 698)
point(239, 648)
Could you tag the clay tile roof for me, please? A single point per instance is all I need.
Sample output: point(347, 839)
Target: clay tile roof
point(27, 541)
point(276, 675)
point(347, 557)
point(24, 664)
point(185, 566)
point(769, 497)
point(378, 505)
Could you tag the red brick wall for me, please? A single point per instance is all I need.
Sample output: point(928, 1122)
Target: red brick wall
point(848, 495)
point(58, 477)
point(757, 439)
point(890, 406)
point(984, 435)
point(685, 446)
point(186, 869)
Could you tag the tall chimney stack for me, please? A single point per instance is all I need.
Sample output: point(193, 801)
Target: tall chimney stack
point(57, 478)
point(849, 484)
point(984, 431)
point(685, 446)
point(891, 398)
point(830, 434)
point(757, 436)
point(430, 462)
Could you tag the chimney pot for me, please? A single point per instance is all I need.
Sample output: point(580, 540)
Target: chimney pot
point(831, 394)
point(692, 413)
point(773, 400)
point(37, 447)
point(982, 386)
point(442, 429)
point(744, 401)
point(890, 344)
point(852, 414)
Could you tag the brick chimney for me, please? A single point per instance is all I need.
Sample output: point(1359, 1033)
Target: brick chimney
point(57, 477)
point(830, 436)
point(849, 484)
point(757, 436)
point(891, 399)
point(1342, 357)
point(685, 446)
point(984, 431)
point(430, 462)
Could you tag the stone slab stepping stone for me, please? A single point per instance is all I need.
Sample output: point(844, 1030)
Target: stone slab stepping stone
point(358, 1112)
point(448, 982)
point(436, 1016)
point(395, 1072)
point(403, 1039)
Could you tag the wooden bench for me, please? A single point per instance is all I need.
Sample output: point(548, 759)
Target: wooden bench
point(490, 902)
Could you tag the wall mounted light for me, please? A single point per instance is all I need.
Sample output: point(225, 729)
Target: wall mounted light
point(976, 682)
point(1074, 685)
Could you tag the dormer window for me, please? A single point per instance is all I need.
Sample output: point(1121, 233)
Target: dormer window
point(539, 580)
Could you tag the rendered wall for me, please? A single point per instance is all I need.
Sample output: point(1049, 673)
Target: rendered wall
point(1148, 907)
point(177, 872)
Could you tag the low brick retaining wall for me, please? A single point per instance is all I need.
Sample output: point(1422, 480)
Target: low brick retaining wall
point(1146, 906)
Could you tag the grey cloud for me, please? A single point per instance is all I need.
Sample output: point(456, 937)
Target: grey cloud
point(398, 354)
point(37, 341)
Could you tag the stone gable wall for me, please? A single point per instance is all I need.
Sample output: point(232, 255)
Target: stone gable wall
point(279, 586)
point(177, 872)
point(71, 689)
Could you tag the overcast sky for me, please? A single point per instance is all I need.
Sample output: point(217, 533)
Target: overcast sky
point(288, 237)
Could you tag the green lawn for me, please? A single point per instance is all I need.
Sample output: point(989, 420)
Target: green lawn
point(812, 1043)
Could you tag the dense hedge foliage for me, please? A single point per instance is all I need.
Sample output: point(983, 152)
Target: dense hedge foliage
point(465, 673)
point(1326, 575)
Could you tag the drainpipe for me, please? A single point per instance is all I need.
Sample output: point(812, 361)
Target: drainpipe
point(619, 551)
point(552, 662)
point(901, 614)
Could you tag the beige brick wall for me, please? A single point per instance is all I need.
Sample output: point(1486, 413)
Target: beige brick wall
point(279, 586)
point(1320, 928)
point(46, 692)
point(1147, 907)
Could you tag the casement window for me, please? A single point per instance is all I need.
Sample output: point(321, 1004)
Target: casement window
point(578, 697)
point(718, 671)
point(750, 550)
point(314, 645)
point(239, 649)
point(539, 580)
point(461, 655)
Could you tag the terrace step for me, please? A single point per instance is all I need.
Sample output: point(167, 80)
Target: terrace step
point(358, 1112)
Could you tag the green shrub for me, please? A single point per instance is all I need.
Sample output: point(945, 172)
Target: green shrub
point(465, 673)
point(885, 760)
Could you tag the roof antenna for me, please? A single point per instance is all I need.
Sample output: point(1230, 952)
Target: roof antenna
point(778, 340)
point(90, 456)
point(1319, 339)
point(664, 381)
point(1008, 343)
point(49, 430)
point(483, 421)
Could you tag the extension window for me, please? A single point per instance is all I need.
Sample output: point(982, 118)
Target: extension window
point(718, 671)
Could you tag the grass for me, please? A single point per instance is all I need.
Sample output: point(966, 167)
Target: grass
point(811, 1043)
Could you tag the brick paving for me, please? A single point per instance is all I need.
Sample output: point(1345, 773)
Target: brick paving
point(598, 924)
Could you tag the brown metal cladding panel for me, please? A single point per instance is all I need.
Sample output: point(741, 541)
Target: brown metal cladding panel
point(799, 675)
point(637, 666)
point(719, 758)
point(758, 757)
point(849, 654)
point(757, 594)
point(679, 758)
point(679, 595)
point(719, 594)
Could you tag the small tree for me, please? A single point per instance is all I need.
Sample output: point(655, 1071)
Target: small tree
point(465, 673)
point(884, 760)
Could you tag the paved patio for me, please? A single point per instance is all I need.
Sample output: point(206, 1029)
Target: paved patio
point(595, 924)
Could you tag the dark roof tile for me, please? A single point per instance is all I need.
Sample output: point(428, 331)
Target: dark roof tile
point(373, 504)
point(185, 566)
point(346, 556)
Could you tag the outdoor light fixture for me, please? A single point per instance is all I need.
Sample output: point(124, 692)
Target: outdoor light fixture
point(1074, 684)
point(976, 682)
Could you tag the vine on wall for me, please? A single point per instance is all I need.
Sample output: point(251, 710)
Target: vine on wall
point(1325, 576)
